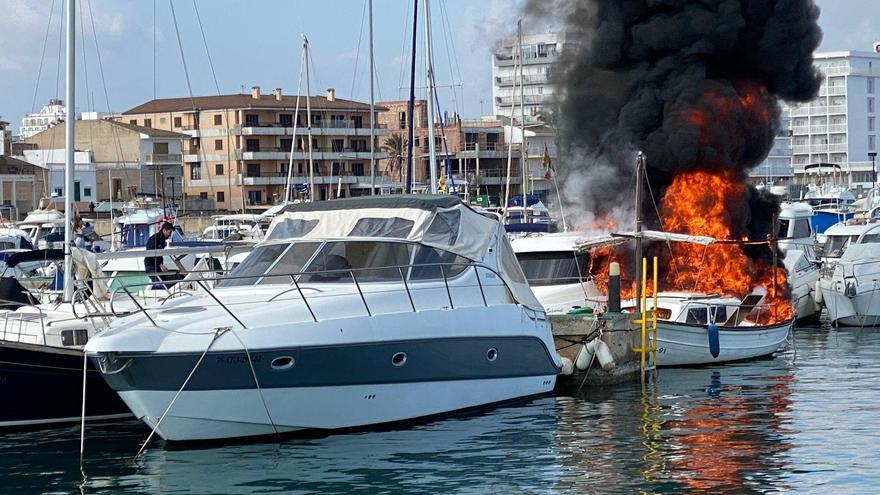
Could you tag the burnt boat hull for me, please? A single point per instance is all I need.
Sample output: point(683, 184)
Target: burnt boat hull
point(42, 385)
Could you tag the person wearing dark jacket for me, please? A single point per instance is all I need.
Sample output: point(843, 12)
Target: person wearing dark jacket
point(153, 265)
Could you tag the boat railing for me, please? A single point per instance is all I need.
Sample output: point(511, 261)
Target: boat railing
point(6, 314)
point(401, 277)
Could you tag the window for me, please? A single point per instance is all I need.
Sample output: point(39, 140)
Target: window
point(338, 145)
point(289, 228)
point(358, 145)
point(253, 169)
point(160, 148)
point(697, 315)
point(218, 169)
point(278, 259)
point(203, 195)
point(221, 197)
point(195, 171)
point(255, 197)
point(870, 85)
point(382, 227)
point(87, 191)
point(133, 122)
point(553, 268)
point(59, 191)
point(178, 122)
point(286, 144)
point(872, 143)
point(218, 144)
point(357, 169)
point(371, 262)
point(401, 120)
point(357, 121)
point(802, 229)
point(299, 168)
point(252, 145)
point(870, 124)
point(251, 119)
point(218, 119)
point(285, 119)
point(336, 169)
point(870, 105)
point(148, 122)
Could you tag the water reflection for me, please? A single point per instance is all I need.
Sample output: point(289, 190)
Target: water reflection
point(772, 425)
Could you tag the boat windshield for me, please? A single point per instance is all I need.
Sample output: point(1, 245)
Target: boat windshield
point(334, 261)
point(553, 268)
point(835, 245)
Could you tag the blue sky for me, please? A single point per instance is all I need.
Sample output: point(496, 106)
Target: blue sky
point(258, 42)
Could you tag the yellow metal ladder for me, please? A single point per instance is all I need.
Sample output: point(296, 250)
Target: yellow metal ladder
point(648, 323)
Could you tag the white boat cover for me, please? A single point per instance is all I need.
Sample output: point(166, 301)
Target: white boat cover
point(86, 266)
point(443, 222)
point(653, 235)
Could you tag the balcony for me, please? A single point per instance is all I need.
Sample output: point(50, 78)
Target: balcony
point(832, 91)
point(527, 79)
point(163, 159)
point(819, 148)
point(320, 128)
point(318, 153)
point(807, 110)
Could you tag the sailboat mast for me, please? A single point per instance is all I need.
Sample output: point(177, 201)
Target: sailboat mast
point(69, 126)
point(410, 107)
point(640, 171)
point(522, 128)
point(309, 119)
point(372, 111)
point(429, 80)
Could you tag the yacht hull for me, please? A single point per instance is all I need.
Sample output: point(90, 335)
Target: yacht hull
point(327, 387)
point(861, 310)
point(42, 385)
point(227, 414)
point(681, 344)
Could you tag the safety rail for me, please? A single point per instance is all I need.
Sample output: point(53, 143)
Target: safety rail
point(21, 319)
point(351, 272)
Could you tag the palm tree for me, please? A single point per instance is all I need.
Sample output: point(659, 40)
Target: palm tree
point(395, 146)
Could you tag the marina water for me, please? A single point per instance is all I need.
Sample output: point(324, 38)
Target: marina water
point(803, 421)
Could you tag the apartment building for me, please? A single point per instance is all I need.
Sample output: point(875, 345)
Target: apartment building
point(122, 158)
point(840, 125)
point(5, 138)
point(473, 150)
point(540, 53)
point(238, 147)
point(51, 114)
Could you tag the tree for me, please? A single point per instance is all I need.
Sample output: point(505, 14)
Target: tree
point(395, 146)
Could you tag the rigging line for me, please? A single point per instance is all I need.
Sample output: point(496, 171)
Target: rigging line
point(42, 57)
point(82, 32)
point(357, 54)
point(154, 56)
point(225, 117)
point(455, 106)
point(60, 54)
point(445, 17)
point(660, 221)
point(119, 154)
point(404, 49)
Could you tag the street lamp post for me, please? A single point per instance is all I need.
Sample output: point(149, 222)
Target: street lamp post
point(873, 155)
point(171, 180)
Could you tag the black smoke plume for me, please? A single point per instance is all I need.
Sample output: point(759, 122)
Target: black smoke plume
point(693, 84)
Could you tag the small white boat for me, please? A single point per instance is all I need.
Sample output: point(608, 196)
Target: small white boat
point(688, 323)
point(246, 227)
point(557, 271)
point(796, 241)
point(353, 312)
point(851, 286)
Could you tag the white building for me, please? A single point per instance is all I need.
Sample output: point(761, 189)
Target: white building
point(85, 178)
point(540, 53)
point(776, 169)
point(52, 113)
point(840, 125)
point(5, 138)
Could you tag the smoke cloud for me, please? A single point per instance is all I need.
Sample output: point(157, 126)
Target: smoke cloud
point(693, 84)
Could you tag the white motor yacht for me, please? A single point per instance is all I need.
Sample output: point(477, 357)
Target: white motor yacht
point(557, 271)
point(851, 286)
point(353, 312)
point(240, 226)
point(796, 241)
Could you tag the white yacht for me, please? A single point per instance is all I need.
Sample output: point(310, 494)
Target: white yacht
point(841, 236)
point(557, 271)
point(851, 285)
point(241, 226)
point(353, 312)
point(796, 241)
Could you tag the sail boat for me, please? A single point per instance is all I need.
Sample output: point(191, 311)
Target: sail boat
point(43, 378)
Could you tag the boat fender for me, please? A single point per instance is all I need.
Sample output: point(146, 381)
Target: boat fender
point(603, 353)
point(585, 356)
point(714, 344)
point(567, 366)
point(817, 295)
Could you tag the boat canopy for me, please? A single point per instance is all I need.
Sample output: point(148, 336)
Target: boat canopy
point(442, 222)
point(651, 235)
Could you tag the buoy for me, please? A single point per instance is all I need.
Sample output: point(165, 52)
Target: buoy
point(603, 353)
point(585, 356)
point(567, 366)
point(714, 344)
